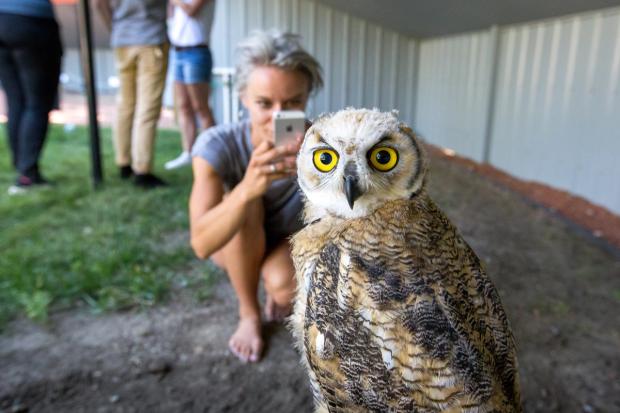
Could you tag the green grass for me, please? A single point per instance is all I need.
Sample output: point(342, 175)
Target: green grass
point(111, 248)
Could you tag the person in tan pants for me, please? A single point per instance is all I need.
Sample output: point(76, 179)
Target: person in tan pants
point(138, 36)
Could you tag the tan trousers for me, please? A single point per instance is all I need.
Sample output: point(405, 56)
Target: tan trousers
point(142, 75)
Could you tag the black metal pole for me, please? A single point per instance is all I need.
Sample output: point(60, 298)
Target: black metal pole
point(86, 54)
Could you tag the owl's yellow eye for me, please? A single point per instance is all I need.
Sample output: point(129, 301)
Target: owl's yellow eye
point(325, 159)
point(383, 158)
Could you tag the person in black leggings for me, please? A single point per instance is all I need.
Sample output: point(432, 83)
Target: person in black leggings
point(30, 56)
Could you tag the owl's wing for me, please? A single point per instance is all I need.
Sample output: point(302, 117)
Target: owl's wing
point(429, 303)
point(315, 259)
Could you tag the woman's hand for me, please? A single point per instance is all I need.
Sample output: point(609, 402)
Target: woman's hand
point(267, 164)
point(192, 8)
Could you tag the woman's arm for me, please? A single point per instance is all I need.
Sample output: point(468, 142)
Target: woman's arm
point(214, 220)
point(192, 8)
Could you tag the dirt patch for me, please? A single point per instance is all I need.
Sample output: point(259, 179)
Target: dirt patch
point(561, 291)
point(169, 359)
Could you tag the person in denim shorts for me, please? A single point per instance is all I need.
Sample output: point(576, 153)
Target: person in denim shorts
point(189, 33)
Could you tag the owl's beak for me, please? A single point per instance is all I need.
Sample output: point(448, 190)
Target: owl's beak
point(351, 186)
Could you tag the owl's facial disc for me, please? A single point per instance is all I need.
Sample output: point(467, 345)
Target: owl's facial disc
point(354, 161)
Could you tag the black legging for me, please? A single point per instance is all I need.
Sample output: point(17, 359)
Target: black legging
point(30, 53)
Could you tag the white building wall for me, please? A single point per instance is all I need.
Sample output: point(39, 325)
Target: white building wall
point(364, 64)
point(555, 116)
point(453, 92)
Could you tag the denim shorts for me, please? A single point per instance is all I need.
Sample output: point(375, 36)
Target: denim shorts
point(192, 64)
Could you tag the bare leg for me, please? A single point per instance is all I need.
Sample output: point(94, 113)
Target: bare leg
point(279, 278)
point(242, 258)
point(187, 124)
point(199, 95)
point(187, 121)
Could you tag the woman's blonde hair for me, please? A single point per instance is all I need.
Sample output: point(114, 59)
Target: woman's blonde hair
point(277, 49)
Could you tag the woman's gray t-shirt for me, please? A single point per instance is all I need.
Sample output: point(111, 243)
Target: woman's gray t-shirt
point(228, 148)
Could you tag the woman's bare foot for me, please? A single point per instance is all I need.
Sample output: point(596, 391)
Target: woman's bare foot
point(275, 311)
point(246, 343)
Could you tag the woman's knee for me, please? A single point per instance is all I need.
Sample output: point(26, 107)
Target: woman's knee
point(184, 106)
point(198, 94)
point(247, 245)
point(182, 100)
point(249, 242)
point(278, 270)
point(279, 280)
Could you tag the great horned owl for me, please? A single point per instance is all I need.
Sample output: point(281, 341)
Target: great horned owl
point(393, 311)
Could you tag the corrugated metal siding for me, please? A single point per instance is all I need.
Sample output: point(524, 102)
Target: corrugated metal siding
point(364, 64)
point(453, 90)
point(557, 117)
point(556, 112)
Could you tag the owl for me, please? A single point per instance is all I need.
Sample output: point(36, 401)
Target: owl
point(393, 311)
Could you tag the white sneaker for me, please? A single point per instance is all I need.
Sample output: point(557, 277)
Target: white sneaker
point(16, 190)
point(183, 159)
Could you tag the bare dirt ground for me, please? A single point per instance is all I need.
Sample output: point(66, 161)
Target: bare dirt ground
point(560, 287)
point(598, 221)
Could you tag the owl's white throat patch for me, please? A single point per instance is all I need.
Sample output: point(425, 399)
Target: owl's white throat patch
point(337, 205)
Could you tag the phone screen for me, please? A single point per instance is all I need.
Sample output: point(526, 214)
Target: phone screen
point(287, 125)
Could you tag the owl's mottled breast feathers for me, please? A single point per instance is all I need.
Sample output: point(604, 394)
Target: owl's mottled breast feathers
point(395, 313)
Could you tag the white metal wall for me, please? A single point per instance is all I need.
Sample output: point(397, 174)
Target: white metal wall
point(558, 105)
point(364, 64)
point(453, 92)
point(555, 113)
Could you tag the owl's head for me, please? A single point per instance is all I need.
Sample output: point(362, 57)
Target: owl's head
point(355, 160)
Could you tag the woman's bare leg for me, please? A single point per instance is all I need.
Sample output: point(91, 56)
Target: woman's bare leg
point(279, 278)
point(242, 258)
point(187, 120)
point(199, 96)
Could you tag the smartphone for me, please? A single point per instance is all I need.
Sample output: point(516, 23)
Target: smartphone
point(287, 125)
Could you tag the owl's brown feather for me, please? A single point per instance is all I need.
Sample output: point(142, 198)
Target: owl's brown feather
point(395, 313)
